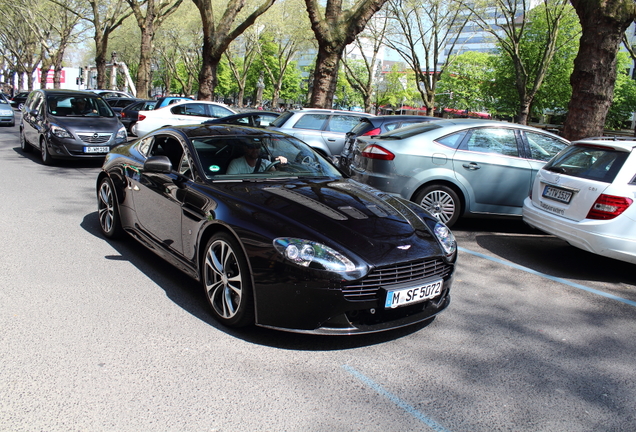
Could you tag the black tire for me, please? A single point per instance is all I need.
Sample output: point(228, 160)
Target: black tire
point(108, 210)
point(227, 282)
point(24, 144)
point(440, 201)
point(47, 159)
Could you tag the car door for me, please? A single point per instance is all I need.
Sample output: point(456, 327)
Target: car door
point(335, 132)
point(33, 118)
point(488, 163)
point(189, 113)
point(158, 197)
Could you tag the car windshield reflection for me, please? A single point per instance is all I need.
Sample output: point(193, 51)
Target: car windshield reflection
point(232, 157)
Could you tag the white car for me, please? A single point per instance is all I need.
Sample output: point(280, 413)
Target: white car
point(181, 113)
point(585, 195)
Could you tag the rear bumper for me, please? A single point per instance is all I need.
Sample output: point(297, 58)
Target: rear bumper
point(609, 238)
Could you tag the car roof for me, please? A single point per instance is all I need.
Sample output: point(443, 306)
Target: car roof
point(617, 143)
point(68, 92)
point(325, 111)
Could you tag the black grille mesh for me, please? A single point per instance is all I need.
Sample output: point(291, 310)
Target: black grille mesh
point(367, 289)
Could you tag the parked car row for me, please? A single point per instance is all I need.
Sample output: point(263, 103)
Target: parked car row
point(452, 168)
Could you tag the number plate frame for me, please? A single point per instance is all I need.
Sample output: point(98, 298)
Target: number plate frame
point(557, 194)
point(93, 150)
point(415, 294)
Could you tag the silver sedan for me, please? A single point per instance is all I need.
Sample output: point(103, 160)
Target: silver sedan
point(461, 167)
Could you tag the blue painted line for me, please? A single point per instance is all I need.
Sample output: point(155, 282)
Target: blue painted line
point(396, 400)
point(553, 278)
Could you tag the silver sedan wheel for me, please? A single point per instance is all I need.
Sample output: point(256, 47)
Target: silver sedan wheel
point(223, 280)
point(441, 202)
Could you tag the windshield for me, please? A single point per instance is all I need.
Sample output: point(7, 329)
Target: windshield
point(254, 156)
point(64, 105)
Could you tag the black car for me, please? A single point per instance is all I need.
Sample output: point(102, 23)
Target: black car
point(117, 104)
point(17, 101)
point(69, 124)
point(370, 126)
point(130, 114)
point(295, 246)
point(251, 118)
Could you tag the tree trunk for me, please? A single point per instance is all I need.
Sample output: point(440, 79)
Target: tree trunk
point(325, 77)
point(207, 76)
point(143, 72)
point(101, 48)
point(603, 25)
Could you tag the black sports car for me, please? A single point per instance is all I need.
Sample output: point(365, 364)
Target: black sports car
point(289, 244)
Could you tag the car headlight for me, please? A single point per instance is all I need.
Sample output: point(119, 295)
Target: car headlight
point(6, 112)
point(60, 132)
point(306, 253)
point(121, 133)
point(446, 238)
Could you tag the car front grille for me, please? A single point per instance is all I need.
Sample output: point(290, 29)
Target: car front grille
point(384, 277)
point(95, 138)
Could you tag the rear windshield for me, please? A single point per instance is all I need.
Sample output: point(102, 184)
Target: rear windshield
point(409, 131)
point(363, 126)
point(588, 162)
point(281, 119)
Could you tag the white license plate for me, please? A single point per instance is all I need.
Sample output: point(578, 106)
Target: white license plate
point(96, 149)
point(557, 194)
point(412, 295)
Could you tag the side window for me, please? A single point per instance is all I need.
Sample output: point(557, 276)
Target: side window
point(194, 109)
point(311, 121)
point(494, 140)
point(219, 111)
point(543, 147)
point(145, 144)
point(452, 141)
point(170, 147)
point(342, 123)
point(34, 102)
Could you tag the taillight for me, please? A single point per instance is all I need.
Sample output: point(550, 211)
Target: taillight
point(608, 207)
point(375, 131)
point(123, 114)
point(141, 117)
point(376, 152)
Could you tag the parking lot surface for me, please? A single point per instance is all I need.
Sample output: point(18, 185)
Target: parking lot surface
point(104, 336)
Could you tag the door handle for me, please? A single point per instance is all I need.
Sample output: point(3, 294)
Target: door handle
point(471, 166)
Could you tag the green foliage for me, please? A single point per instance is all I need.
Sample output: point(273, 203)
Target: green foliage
point(555, 92)
point(466, 83)
point(624, 103)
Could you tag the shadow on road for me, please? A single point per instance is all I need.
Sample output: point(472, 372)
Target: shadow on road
point(188, 294)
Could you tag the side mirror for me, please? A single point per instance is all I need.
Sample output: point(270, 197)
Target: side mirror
point(158, 164)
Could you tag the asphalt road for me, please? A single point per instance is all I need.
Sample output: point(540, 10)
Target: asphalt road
point(104, 336)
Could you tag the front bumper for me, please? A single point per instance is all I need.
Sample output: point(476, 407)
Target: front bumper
point(68, 148)
point(314, 309)
point(609, 238)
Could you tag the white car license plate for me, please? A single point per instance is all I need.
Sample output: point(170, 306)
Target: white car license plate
point(557, 194)
point(412, 295)
point(96, 149)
